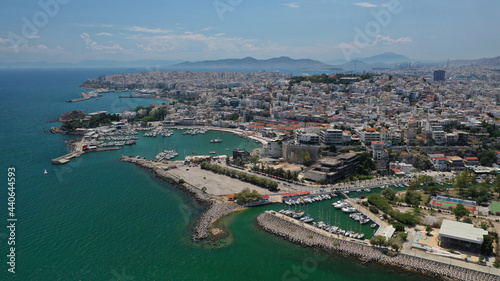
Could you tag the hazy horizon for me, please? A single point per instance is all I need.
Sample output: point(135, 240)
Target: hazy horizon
point(326, 30)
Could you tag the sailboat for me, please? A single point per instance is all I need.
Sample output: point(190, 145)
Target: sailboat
point(44, 172)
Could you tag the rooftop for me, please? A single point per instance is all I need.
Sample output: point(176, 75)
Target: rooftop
point(462, 231)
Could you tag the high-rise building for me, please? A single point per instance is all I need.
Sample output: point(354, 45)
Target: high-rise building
point(439, 75)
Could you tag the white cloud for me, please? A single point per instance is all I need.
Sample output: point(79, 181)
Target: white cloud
point(93, 45)
point(104, 34)
point(34, 36)
point(95, 25)
point(389, 41)
point(43, 47)
point(365, 5)
point(149, 30)
point(292, 5)
point(4, 41)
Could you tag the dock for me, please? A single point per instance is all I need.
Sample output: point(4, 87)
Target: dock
point(85, 96)
point(64, 159)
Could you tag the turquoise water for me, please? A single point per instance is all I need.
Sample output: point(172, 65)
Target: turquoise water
point(101, 219)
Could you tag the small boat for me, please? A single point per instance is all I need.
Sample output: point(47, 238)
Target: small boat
point(363, 221)
point(373, 225)
point(216, 140)
point(309, 219)
point(360, 236)
point(44, 172)
point(212, 152)
point(194, 152)
point(297, 215)
point(348, 209)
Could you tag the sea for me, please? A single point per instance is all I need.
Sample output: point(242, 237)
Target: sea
point(98, 218)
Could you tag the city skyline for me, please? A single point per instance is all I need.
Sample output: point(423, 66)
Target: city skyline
point(67, 31)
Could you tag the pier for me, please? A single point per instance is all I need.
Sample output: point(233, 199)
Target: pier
point(65, 158)
point(85, 96)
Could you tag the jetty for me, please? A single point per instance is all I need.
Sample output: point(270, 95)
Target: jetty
point(85, 96)
point(307, 235)
point(215, 207)
point(65, 158)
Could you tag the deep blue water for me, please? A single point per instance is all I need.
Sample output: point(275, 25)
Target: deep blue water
point(101, 219)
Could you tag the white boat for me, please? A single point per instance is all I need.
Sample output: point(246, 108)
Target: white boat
point(44, 172)
point(339, 204)
point(348, 209)
point(363, 221)
point(309, 219)
point(373, 225)
point(216, 140)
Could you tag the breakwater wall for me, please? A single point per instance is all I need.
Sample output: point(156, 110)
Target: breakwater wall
point(298, 234)
point(215, 208)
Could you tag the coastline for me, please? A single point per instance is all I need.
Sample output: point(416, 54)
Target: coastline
point(214, 208)
point(302, 235)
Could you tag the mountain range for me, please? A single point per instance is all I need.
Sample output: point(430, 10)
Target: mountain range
point(252, 63)
point(385, 60)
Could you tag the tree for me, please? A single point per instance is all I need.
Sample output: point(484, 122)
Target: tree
point(496, 184)
point(487, 158)
point(254, 159)
point(413, 197)
point(389, 193)
point(332, 148)
point(378, 240)
point(204, 189)
point(487, 246)
point(460, 211)
point(403, 235)
point(365, 164)
point(246, 196)
point(307, 158)
point(428, 229)
point(464, 180)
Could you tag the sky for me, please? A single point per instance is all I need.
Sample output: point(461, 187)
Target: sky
point(193, 30)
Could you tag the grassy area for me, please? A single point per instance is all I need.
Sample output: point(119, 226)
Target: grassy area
point(495, 207)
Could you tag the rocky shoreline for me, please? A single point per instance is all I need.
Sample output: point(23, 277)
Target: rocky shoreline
point(214, 208)
point(306, 237)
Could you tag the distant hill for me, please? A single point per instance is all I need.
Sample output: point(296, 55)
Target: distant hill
point(387, 58)
point(491, 62)
point(252, 63)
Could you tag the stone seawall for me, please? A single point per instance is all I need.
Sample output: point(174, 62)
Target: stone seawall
point(214, 208)
point(298, 234)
